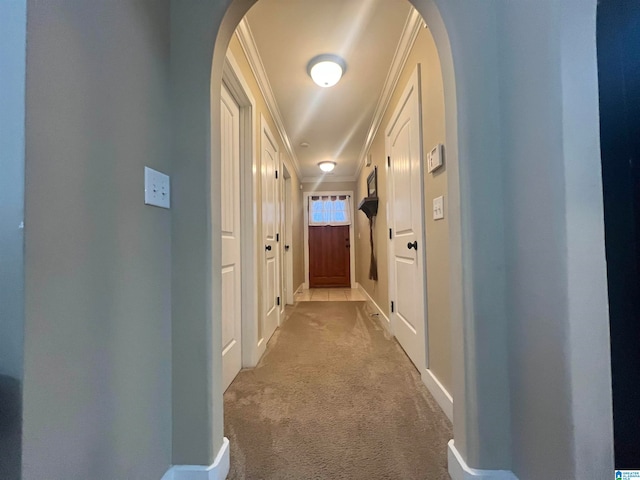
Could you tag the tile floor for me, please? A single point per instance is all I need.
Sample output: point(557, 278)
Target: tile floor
point(330, 295)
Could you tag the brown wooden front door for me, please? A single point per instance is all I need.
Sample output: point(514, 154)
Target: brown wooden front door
point(329, 262)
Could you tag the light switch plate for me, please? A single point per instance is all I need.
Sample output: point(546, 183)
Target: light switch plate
point(434, 158)
point(157, 188)
point(438, 208)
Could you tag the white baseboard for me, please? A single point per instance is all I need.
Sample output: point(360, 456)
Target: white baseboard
point(459, 470)
point(376, 307)
point(438, 391)
point(216, 471)
point(299, 289)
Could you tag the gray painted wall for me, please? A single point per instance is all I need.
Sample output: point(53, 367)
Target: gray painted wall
point(196, 335)
point(558, 316)
point(13, 17)
point(476, 229)
point(541, 427)
point(97, 391)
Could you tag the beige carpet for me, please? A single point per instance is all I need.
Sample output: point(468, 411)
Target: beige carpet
point(334, 398)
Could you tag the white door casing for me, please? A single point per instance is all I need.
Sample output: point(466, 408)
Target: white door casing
point(252, 346)
point(280, 243)
point(230, 227)
point(305, 212)
point(269, 163)
point(407, 265)
point(288, 241)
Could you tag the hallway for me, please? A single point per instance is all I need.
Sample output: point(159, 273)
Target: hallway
point(334, 397)
point(113, 316)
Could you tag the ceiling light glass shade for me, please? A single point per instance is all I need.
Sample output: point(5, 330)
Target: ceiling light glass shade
point(327, 166)
point(326, 70)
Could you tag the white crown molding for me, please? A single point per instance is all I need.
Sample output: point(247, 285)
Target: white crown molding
point(243, 32)
point(409, 34)
point(328, 179)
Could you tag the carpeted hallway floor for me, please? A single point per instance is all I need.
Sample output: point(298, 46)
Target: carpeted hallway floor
point(334, 398)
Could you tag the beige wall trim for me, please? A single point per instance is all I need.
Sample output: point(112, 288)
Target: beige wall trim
point(330, 179)
point(243, 32)
point(441, 395)
point(218, 470)
point(409, 34)
point(288, 164)
point(459, 470)
point(352, 255)
point(384, 320)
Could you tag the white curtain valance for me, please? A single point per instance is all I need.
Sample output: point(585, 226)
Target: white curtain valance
point(329, 210)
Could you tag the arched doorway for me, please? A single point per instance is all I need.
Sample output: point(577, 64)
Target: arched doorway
point(481, 199)
point(234, 13)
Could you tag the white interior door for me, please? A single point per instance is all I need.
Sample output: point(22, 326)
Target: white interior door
point(406, 211)
point(230, 223)
point(270, 207)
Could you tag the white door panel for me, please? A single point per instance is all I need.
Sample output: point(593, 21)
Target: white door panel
point(228, 304)
point(407, 279)
point(402, 202)
point(230, 225)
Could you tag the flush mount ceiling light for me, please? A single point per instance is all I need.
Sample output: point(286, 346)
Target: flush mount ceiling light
point(327, 166)
point(326, 70)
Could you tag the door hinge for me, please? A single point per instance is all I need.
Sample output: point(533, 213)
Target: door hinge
point(388, 161)
point(278, 301)
point(276, 173)
point(390, 234)
point(392, 306)
point(277, 237)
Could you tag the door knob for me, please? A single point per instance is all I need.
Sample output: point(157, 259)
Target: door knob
point(413, 245)
point(286, 247)
point(267, 247)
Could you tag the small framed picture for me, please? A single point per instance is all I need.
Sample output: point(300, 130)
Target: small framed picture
point(372, 183)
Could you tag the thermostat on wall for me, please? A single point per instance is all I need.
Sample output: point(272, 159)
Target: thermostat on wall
point(434, 158)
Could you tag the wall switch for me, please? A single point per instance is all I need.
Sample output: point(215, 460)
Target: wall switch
point(438, 208)
point(434, 158)
point(157, 189)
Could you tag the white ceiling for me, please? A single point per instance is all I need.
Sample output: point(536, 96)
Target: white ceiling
point(333, 121)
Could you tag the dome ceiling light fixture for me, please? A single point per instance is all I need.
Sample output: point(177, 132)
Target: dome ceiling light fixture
point(327, 166)
point(326, 69)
